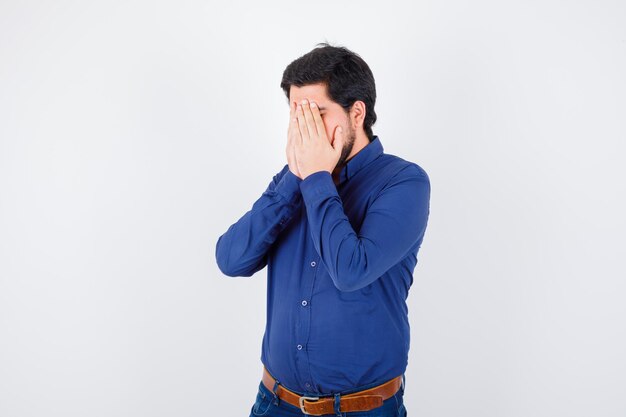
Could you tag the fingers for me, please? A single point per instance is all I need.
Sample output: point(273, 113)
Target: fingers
point(292, 136)
point(294, 133)
point(310, 122)
point(304, 130)
point(318, 119)
point(292, 112)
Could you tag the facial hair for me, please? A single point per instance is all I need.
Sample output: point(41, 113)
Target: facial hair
point(347, 148)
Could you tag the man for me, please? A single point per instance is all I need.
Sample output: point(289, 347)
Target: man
point(338, 228)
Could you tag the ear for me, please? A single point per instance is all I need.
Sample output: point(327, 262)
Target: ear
point(357, 113)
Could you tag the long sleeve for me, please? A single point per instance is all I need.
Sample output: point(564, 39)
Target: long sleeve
point(393, 223)
point(242, 249)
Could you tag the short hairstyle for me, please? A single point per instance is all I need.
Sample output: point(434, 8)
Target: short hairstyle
point(346, 75)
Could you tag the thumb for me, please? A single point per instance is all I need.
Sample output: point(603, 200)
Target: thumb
point(338, 141)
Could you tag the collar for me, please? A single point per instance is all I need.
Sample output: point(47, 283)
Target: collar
point(366, 155)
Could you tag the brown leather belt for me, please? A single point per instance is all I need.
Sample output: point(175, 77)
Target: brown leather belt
point(357, 401)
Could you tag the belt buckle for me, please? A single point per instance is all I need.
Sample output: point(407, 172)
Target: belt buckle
point(302, 404)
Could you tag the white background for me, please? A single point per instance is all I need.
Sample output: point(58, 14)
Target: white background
point(133, 133)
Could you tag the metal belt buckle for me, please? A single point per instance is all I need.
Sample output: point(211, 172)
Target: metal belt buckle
point(302, 405)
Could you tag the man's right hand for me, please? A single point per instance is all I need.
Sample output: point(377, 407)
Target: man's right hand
point(291, 137)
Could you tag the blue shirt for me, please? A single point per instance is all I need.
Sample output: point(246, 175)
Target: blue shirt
point(340, 261)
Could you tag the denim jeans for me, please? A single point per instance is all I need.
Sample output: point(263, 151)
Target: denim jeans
point(267, 406)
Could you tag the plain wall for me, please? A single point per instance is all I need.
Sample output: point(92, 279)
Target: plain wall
point(133, 133)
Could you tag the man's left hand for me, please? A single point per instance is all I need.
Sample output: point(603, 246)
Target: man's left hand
point(313, 151)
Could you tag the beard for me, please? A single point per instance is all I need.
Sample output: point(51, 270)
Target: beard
point(347, 148)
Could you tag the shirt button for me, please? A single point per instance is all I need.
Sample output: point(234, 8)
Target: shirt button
point(308, 385)
point(304, 303)
point(299, 347)
point(313, 263)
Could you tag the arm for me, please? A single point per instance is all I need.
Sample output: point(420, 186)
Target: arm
point(394, 222)
point(242, 249)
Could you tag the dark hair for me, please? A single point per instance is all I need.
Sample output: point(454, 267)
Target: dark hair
point(346, 75)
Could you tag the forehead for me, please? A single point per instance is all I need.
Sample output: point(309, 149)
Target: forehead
point(316, 92)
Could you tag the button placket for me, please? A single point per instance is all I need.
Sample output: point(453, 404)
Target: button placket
point(302, 355)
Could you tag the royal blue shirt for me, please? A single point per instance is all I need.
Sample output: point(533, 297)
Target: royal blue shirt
point(340, 261)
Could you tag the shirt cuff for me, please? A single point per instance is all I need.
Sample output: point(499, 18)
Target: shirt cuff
point(288, 187)
point(318, 186)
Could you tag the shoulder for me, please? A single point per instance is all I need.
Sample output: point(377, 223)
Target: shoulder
point(398, 168)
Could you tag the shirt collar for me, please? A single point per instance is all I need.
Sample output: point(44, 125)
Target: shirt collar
point(366, 155)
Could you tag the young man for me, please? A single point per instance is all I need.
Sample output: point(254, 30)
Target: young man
point(339, 228)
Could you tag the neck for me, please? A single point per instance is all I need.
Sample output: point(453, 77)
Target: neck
point(360, 142)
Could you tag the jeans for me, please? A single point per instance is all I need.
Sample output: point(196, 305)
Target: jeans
point(267, 406)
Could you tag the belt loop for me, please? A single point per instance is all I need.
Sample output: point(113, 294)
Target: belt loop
point(337, 404)
point(276, 398)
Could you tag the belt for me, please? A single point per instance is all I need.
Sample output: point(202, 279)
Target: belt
point(357, 401)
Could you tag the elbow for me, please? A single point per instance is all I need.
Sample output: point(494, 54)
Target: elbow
point(356, 276)
point(225, 268)
point(234, 272)
point(349, 282)
point(343, 287)
point(222, 259)
point(234, 269)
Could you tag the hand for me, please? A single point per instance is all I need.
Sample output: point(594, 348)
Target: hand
point(292, 136)
point(313, 152)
